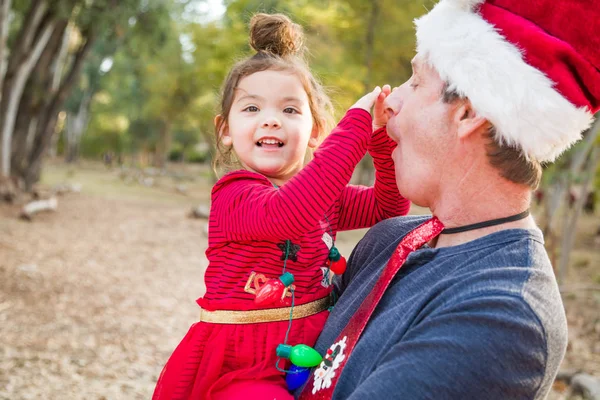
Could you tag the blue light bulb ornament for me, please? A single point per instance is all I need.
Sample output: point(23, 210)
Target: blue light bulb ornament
point(296, 377)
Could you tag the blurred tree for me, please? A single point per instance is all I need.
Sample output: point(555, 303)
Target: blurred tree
point(564, 189)
point(44, 62)
point(78, 103)
point(4, 25)
point(165, 68)
point(352, 44)
point(356, 45)
point(155, 80)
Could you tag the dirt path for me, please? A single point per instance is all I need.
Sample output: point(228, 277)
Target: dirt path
point(94, 297)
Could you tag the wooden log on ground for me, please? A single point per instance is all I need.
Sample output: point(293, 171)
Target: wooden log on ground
point(63, 188)
point(200, 211)
point(586, 385)
point(181, 189)
point(34, 207)
point(580, 383)
point(566, 375)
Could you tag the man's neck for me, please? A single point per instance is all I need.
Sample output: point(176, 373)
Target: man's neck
point(492, 199)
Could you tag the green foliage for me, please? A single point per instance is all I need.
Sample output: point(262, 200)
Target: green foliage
point(166, 68)
point(176, 152)
point(195, 156)
point(107, 133)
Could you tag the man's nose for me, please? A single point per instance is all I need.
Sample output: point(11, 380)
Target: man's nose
point(389, 111)
point(390, 108)
point(393, 103)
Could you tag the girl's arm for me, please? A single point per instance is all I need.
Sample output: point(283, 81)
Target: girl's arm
point(362, 207)
point(246, 206)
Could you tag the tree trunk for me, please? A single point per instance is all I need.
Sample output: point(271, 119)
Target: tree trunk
point(18, 73)
point(61, 60)
point(35, 99)
point(555, 197)
point(570, 226)
point(163, 146)
point(21, 49)
point(370, 42)
point(59, 66)
point(26, 119)
point(23, 144)
point(46, 125)
point(4, 25)
point(75, 127)
point(53, 146)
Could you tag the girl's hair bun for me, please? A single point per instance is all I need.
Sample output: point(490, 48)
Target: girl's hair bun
point(276, 34)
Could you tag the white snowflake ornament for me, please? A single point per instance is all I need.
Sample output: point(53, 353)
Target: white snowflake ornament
point(331, 362)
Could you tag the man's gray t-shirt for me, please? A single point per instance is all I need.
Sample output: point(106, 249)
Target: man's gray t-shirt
point(482, 320)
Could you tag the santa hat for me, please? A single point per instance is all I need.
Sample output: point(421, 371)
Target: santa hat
point(530, 67)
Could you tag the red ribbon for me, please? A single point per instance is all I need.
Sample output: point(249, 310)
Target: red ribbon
point(317, 388)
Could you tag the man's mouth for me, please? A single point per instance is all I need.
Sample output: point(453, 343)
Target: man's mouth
point(268, 142)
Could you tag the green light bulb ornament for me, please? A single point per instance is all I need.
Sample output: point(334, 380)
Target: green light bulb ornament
point(300, 355)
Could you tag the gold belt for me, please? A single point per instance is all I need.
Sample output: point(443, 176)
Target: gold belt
point(267, 315)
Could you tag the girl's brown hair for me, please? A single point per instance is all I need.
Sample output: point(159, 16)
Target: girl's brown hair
point(279, 46)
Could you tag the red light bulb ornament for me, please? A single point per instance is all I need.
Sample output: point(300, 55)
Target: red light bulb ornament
point(337, 263)
point(273, 289)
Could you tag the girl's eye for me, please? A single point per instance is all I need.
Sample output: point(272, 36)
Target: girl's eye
point(413, 85)
point(251, 109)
point(290, 110)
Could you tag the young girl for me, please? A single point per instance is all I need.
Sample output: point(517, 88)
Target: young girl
point(273, 221)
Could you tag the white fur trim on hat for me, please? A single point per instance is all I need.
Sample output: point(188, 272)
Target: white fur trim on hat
point(479, 63)
point(465, 5)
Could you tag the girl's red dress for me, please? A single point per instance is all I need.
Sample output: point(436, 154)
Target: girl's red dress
point(249, 222)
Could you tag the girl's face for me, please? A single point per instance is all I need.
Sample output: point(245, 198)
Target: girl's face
point(270, 125)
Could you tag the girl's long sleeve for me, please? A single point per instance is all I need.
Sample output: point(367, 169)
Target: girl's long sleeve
point(362, 206)
point(246, 206)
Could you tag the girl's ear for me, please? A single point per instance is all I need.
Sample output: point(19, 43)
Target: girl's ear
point(223, 131)
point(314, 137)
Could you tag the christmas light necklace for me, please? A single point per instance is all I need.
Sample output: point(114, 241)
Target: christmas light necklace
point(302, 357)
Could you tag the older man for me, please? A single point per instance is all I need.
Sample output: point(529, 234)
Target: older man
point(464, 305)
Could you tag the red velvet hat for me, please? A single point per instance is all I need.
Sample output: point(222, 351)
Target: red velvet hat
point(531, 67)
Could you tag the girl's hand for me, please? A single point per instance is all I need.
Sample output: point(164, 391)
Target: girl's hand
point(368, 100)
point(380, 117)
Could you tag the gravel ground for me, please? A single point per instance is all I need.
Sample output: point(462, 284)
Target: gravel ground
point(94, 297)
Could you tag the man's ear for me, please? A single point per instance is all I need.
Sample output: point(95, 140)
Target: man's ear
point(467, 120)
point(221, 124)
